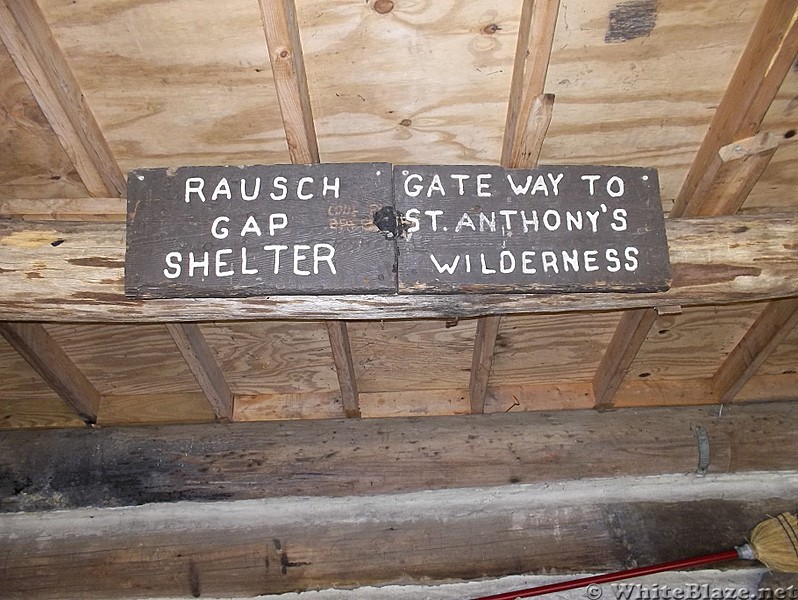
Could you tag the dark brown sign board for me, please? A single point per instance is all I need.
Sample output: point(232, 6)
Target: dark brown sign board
point(259, 230)
point(552, 229)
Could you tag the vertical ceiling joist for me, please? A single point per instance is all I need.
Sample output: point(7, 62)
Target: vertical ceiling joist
point(31, 44)
point(722, 173)
point(45, 69)
point(772, 326)
point(49, 360)
point(200, 359)
point(529, 113)
point(288, 69)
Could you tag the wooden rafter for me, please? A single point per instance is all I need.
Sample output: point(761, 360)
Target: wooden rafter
point(74, 272)
point(727, 165)
point(772, 326)
point(31, 43)
point(529, 113)
point(200, 359)
point(50, 361)
point(288, 69)
point(46, 71)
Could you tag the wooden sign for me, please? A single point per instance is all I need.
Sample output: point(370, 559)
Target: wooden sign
point(259, 230)
point(551, 229)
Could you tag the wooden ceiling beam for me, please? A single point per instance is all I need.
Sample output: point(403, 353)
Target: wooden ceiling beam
point(767, 58)
point(114, 467)
point(48, 359)
point(529, 113)
point(769, 330)
point(29, 40)
point(64, 209)
point(288, 68)
point(56, 271)
point(200, 359)
point(723, 172)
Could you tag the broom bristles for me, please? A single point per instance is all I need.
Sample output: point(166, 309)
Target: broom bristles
point(775, 543)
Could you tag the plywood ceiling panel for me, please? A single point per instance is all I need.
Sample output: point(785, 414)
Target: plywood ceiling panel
point(273, 357)
point(550, 348)
point(694, 343)
point(174, 83)
point(32, 162)
point(121, 360)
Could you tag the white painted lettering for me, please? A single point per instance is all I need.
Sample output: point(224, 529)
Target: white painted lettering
point(412, 216)
point(519, 189)
point(433, 214)
point(251, 226)
point(173, 260)
point(573, 220)
point(193, 264)
point(570, 261)
point(540, 186)
point(222, 189)
point(300, 187)
point(436, 185)
point(527, 222)
point(506, 261)
point(244, 269)
point(593, 218)
point(277, 250)
point(483, 187)
point(194, 185)
point(552, 220)
point(617, 192)
point(221, 263)
point(328, 187)
point(591, 179)
point(319, 257)
point(277, 221)
point(445, 267)
point(611, 255)
point(254, 195)
point(555, 183)
point(619, 215)
point(219, 232)
point(279, 183)
point(465, 221)
point(631, 263)
point(507, 214)
point(526, 262)
point(485, 221)
point(298, 256)
point(485, 269)
point(416, 188)
point(590, 260)
point(549, 261)
point(460, 179)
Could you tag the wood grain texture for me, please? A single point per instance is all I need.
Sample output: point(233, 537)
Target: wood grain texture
point(405, 355)
point(770, 52)
point(201, 360)
point(165, 95)
point(766, 333)
point(246, 549)
point(28, 38)
point(26, 401)
point(77, 266)
point(352, 457)
point(33, 163)
point(482, 361)
point(626, 342)
point(155, 409)
point(692, 344)
point(533, 348)
point(50, 361)
point(288, 69)
point(273, 357)
point(126, 362)
point(344, 367)
point(63, 209)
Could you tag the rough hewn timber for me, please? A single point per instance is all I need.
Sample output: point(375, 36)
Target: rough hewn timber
point(121, 467)
point(74, 272)
point(272, 546)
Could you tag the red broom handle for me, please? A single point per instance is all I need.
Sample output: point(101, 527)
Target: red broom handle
point(618, 575)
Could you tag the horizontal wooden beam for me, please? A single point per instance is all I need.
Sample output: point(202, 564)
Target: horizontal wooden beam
point(64, 209)
point(250, 548)
point(55, 271)
point(340, 457)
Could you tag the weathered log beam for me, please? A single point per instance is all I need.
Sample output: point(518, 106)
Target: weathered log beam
point(268, 547)
point(342, 457)
point(56, 271)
